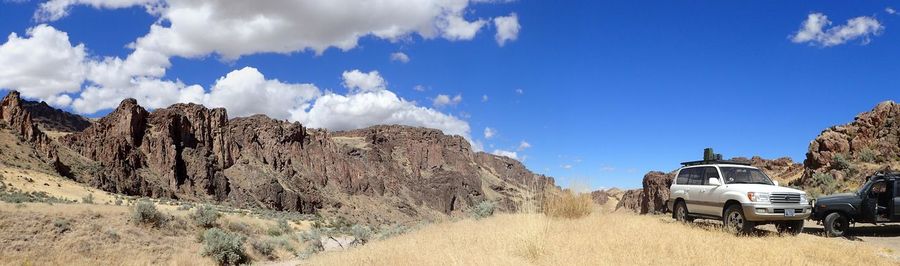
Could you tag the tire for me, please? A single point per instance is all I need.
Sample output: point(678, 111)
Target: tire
point(790, 227)
point(836, 225)
point(680, 213)
point(735, 221)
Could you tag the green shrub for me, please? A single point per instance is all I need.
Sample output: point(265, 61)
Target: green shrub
point(145, 213)
point(89, 199)
point(839, 162)
point(205, 216)
point(264, 247)
point(223, 247)
point(867, 155)
point(392, 231)
point(240, 227)
point(313, 238)
point(361, 233)
point(185, 207)
point(483, 209)
point(280, 228)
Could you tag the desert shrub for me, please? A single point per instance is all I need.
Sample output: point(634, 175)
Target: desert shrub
point(361, 234)
point(839, 162)
point(264, 247)
point(145, 213)
point(89, 199)
point(313, 241)
point(223, 247)
point(867, 155)
point(112, 234)
point(205, 216)
point(392, 231)
point(483, 209)
point(569, 205)
point(118, 201)
point(280, 228)
point(240, 227)
point(825, 182)
point(61, 226)
point(185, 207)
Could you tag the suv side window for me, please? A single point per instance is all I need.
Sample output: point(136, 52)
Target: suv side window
point(682, 178)
point(709, 172)
point(695, 176)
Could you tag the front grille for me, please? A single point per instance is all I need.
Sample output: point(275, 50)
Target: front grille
point(785, 198)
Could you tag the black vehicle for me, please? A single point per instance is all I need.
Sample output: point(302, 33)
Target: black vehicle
point(877, 201)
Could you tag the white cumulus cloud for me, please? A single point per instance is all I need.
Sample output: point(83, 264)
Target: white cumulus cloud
point(814, 30)
point(443, 100)
point(400, 57)
point(523, 145)
point(507, 28)
point(489, 132)
point(358, 81)
point(42, 65)
point(510, 154)
point(56, 9)
point(246, 92)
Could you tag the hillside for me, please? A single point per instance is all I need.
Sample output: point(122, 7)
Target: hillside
point(382, 174)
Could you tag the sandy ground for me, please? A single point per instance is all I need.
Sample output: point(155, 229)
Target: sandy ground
point(885, 236)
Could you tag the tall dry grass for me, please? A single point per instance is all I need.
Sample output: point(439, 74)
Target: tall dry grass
point(568, 204)
point(597, 239)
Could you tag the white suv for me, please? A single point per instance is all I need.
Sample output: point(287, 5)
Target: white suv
point(740, 195)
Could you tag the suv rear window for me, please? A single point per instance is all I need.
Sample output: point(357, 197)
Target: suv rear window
point(690, 176)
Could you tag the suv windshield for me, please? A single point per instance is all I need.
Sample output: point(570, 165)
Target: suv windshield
point(741, 175)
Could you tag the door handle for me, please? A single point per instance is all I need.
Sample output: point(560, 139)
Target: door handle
point(702, 191)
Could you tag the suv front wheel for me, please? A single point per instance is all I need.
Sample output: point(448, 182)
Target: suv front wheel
point(680, 213)
point(836, 224)
point(735, 221)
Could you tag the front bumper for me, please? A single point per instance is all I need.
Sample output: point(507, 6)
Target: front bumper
point(775, 211)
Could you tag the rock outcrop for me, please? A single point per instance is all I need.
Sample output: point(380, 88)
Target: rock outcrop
point(651, 198)
point(48, 118)
point(600, 197)
point(842, 156)
point(377, 174)
point(14, 114)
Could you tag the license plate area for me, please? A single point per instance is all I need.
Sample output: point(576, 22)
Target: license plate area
point(788, 212)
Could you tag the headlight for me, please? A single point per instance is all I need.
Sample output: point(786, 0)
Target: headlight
point(758, 196)
point(803, 199)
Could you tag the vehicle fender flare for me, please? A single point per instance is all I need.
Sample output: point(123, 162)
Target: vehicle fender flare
point(846, 209)
point(728, 203)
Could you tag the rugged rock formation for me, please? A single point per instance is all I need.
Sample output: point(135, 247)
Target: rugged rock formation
point(656, 191)
point(782, 169)
point(842, 156)
point(48, 118)
point(631, 200)
point(600, 197)
point(651, 198)
point(377, 174)
point(14, 114)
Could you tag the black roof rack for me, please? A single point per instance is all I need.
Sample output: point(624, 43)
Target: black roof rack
point(714, 162)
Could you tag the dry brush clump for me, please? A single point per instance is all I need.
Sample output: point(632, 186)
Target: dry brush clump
point(568, 204)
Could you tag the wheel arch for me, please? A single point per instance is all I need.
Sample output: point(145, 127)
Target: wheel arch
point(729, 203)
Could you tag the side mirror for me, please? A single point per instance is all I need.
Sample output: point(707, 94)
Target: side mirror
point(714, 181)
point(776, 182)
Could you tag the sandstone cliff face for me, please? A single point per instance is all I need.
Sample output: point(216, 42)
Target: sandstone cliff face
point(377, 174)
point(842, 156)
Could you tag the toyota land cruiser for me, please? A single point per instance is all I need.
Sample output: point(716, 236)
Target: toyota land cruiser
point(739, 195)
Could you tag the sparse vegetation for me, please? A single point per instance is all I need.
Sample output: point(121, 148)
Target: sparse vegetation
point(89, 199)
point(264, 247)
point(145, 213)
point(361, 234)
point(225, 248)
point(569, 205)
point(280, 228)
point(840, 162)
point(205, 216)
point(483, 209)
point(313, 241)
point(392, 231)
point(867, 155)
point(62, 225)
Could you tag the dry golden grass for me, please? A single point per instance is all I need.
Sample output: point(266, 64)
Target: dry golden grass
point(599, 239)
point(53, 185)
point(569, 205)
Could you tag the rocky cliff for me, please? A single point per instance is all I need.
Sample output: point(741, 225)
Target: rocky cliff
point(48, 118)
point(651, 197)
point(376, 174)
point(842, 156)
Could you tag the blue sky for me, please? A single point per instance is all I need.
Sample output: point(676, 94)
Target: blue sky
point(602, 91)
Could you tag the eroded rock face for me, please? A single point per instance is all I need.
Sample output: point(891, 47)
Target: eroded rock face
point(655, 192)
point(842, 156)
point(48, 118)
point(600, 197)
point(14, 114)
point(631, 201)
point(187, 151)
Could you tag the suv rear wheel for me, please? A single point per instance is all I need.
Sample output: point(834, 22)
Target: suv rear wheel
point(836, 224)
point(790, 227)
point(680, 213)
point(735, 221)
